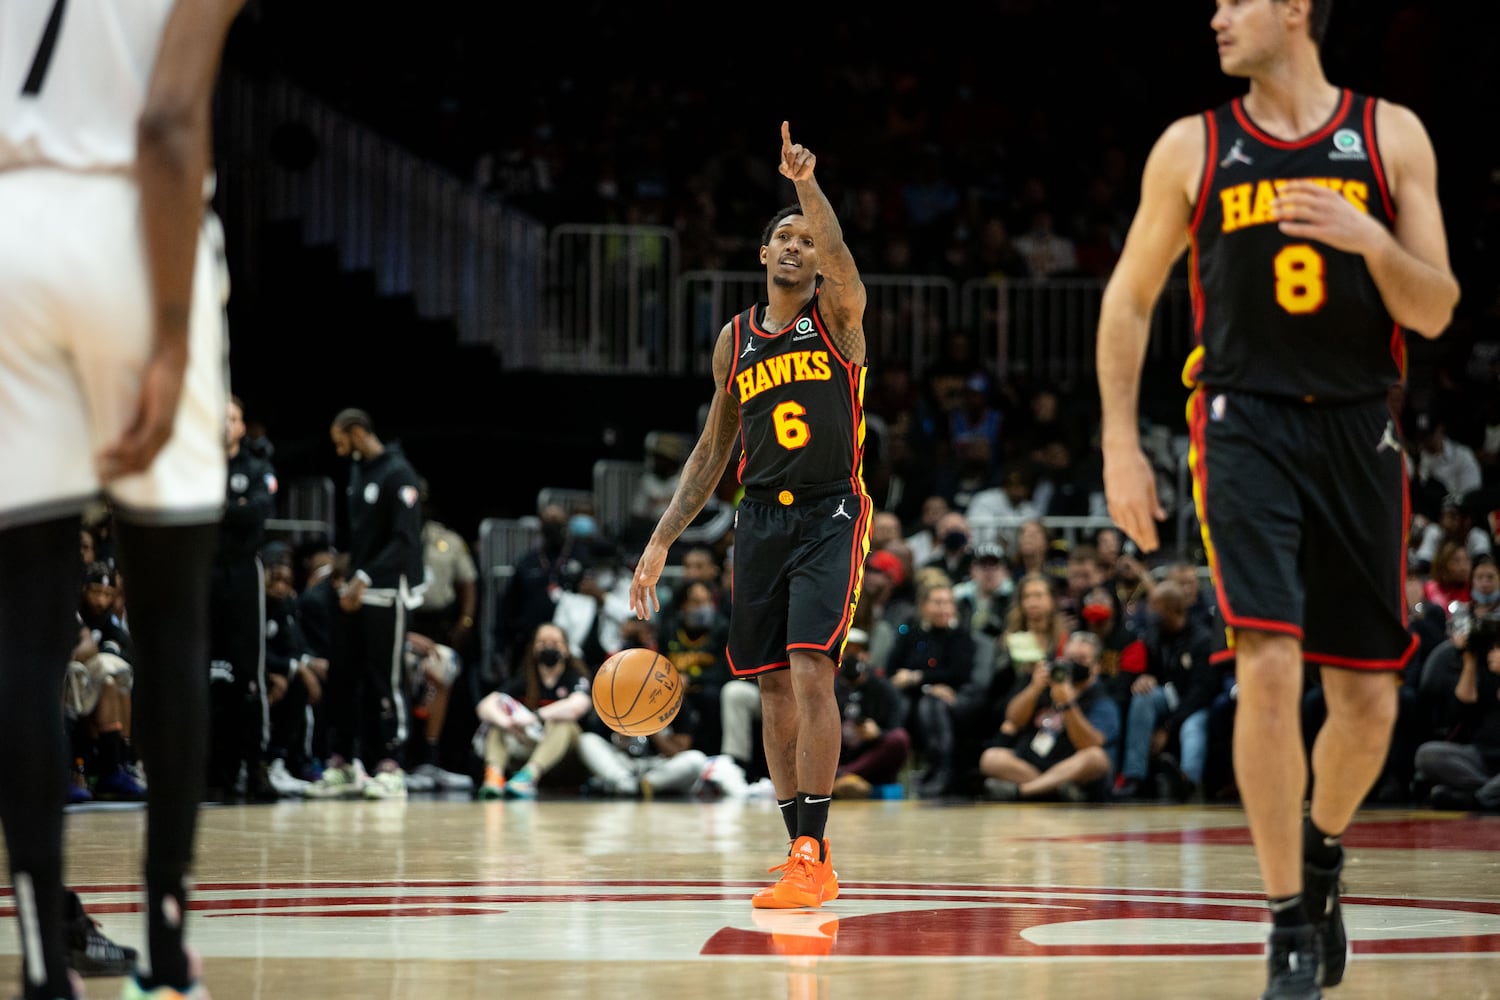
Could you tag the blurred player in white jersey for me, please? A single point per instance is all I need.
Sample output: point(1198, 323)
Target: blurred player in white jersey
point(112, 380)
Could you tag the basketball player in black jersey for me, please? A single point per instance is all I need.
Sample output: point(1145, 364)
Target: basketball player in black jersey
point(789, 386)
point(1312, 221)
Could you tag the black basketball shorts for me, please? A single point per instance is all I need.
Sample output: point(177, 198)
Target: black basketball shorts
point(798, 562)
point(1304, 510)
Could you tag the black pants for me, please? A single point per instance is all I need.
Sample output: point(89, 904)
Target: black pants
point(291, 729)
point(365, 696)
point(240, 726)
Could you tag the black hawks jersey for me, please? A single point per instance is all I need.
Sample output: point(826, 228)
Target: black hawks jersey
point(1276, 314)
point(801, 404)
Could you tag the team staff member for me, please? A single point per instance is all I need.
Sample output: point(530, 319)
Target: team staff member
point(366, 701)
point(789, 384)
point(239, 709)
point(1316, 236)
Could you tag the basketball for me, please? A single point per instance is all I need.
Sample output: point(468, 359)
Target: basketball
point(637, 692)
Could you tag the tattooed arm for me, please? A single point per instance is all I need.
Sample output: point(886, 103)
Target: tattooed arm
point(842, 301)
point(700, 474)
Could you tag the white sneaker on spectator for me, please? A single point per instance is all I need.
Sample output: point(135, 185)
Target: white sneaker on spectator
point(448, 781)
point(340, 781)
point(420, 781)
point(281, 779)
point(388, 782)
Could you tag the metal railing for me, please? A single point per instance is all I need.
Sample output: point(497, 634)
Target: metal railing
point(420, 231)
point(609, 294)
point(594, 298)
point(905, 316)
point(305, 510)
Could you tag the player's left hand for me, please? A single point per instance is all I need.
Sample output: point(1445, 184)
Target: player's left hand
point(643, 600)
point(1313, 212)
point(156, 412)
point(797, 161)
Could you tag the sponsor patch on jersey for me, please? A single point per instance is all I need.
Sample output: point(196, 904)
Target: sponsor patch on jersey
point(239, 482)
point(271, 483)
point(372, 492)
point(1347, 145)
point(409, 495)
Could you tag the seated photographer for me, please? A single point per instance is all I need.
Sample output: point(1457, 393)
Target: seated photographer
point(1463, 769)
point(1471, 626)
point(1169, 699)
point(1059, 734)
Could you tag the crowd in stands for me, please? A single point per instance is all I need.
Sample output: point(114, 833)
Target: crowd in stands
point(980, 625)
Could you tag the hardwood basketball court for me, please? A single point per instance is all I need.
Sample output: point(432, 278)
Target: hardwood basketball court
point(425, 898)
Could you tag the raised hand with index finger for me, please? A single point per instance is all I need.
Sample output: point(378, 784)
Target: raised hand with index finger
point(797, 161)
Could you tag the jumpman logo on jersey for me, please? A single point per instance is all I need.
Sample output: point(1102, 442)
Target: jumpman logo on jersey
point(1388, 438)
point(1236, 155)
point(841, 512)
point(749, 348)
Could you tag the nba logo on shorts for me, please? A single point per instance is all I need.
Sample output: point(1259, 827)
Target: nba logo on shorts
point(1217, 407)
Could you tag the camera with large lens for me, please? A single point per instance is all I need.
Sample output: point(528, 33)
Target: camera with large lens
point(1067, 672)
point(1479, 626)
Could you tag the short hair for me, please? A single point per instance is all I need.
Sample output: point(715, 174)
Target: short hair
point(350, 418)
point(99, 572)
point(239, 403)
point(1083, 552)
point(1317, 19)
point(1318, 13)
point(795, 208)
point(1087, 637)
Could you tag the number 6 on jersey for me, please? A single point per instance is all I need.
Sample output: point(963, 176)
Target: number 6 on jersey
point(791, 430)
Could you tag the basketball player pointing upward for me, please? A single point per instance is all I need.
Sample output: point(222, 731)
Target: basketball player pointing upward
point(789, 383)
point(111, 375)
point(1314, 231)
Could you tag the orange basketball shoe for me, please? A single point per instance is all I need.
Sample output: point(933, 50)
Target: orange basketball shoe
point(805, 881)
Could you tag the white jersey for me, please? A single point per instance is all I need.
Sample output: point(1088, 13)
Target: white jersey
point(73, 79)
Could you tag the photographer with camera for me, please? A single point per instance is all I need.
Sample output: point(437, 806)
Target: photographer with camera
point(1059, 734)
point(1464, 768)
point(875, 746)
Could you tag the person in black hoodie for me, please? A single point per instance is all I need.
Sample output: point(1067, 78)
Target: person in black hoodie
point(237, 657)
point(930, 661)
point(366, 706)
point(1169, 700)
point(294, 680)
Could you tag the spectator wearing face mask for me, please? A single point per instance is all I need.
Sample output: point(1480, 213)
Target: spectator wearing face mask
point(696, 639)
point(535, 717)
point(665, 454)
point(539, 577)
point(953, 554)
